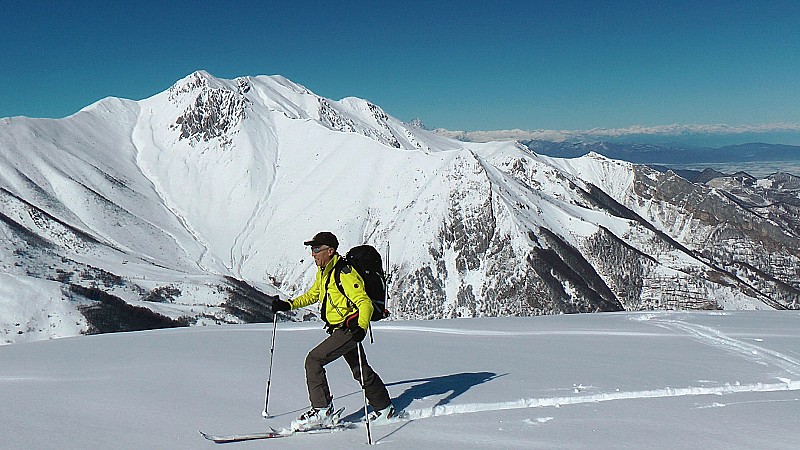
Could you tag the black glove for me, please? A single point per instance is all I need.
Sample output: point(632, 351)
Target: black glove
point(359, 334)
point(280, 305)
point(352, 324)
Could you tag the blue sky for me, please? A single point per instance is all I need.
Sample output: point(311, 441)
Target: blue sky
point(461, 65)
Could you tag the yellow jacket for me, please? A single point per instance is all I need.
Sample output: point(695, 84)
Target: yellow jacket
point(337, 308)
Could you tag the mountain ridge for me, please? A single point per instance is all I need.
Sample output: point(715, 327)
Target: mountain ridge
point(214, 184)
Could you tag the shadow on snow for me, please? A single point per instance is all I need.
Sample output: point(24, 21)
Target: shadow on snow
point(453, 385)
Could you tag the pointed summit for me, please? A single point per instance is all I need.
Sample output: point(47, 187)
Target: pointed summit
point(417, 123)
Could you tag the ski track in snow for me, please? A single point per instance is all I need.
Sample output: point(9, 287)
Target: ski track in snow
point(21, 379)
point(447, 410)
point(715, 338)
point(722, 405)
point(475, 332)
point(704, 334)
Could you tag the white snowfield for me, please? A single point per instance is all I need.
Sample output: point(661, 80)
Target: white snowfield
point(662, 380)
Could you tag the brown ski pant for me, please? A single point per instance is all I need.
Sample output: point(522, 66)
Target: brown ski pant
point(341, 343)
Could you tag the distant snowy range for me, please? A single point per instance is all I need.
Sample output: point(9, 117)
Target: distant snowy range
point(187, 210)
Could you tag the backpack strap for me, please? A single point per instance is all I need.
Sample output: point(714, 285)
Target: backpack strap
point(337, 278)
point(323, 307)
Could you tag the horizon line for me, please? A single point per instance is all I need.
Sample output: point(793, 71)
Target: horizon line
point(673, 129)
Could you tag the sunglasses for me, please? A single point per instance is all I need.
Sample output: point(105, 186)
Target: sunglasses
point(318, 248)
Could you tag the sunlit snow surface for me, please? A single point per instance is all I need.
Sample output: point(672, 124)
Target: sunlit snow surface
point(648, 380)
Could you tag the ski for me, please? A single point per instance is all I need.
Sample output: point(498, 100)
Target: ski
point(399, 417)
point(242, 437)
point(282, 433)
point(273, 434)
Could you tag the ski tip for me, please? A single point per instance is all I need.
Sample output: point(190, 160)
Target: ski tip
point(206, 435)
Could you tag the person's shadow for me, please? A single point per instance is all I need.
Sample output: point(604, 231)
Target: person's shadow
point(453, 385)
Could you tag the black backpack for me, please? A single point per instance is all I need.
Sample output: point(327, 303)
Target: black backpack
point(367, 262)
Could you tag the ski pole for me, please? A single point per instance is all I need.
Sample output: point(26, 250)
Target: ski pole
point(364, 390)
point(271, 353)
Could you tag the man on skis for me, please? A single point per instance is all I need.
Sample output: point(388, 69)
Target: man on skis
point(347, 318)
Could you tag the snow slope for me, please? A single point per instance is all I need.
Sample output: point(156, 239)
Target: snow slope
point(662, 380)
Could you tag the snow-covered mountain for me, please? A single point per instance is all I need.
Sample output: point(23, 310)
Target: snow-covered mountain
point(190, 207)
